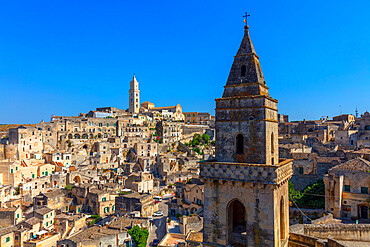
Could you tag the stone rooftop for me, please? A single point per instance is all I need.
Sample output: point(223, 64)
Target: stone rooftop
point(357, 164)
point(43, 211)
point(195, 237)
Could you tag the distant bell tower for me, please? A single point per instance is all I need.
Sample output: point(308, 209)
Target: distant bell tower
point(134, 96)
point(246, 186)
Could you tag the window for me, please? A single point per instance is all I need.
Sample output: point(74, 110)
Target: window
point(33, 175)
point(107, 124)
point(243, 70)
point(347, 188)
point(17, 216)
point(364, 190)
point(47, 223)
point(239, 144)
point(8, 239)
point(11, 170)
point(104, 199)
point(300, 170)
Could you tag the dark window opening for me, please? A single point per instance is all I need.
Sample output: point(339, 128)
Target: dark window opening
point(236, 219)
point(347, 188)
point(282, 219)
point(243, 70)
point(239, 144)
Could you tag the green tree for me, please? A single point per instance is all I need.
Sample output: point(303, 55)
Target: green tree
point(140, 236)
point(197, 137)
point(205, 138)
point(313, 196)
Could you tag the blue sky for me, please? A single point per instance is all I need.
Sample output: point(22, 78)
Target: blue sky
point(67, 57)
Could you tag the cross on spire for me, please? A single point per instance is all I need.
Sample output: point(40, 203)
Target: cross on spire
point(246, 17)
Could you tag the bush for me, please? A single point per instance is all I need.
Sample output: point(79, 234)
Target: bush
point(140, 236)
point(96, 218)
point(197, 150)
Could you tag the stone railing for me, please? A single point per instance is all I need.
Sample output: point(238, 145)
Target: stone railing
point(351, 232)
point(260, 173)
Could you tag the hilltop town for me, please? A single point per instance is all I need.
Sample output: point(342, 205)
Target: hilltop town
point(155, 175)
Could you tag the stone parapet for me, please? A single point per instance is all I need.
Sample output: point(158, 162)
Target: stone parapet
point(350, 232)
point(245, 172)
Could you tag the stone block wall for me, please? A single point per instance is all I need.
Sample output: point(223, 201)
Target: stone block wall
point(350, 232)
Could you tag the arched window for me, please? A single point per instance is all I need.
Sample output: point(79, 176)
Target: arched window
point(282, 219)
point(243, 70)
point(239, 144)
point(237, 223)
point(272, 149)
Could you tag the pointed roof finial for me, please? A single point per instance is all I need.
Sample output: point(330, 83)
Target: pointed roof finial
point(246, 19)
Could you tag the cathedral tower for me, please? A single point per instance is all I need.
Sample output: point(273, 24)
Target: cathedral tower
point(246, 186)
point(134, 96)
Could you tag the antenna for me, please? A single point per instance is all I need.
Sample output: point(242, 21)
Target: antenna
point(356, 112)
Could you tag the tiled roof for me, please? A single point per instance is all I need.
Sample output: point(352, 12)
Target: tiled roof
point(357, 164)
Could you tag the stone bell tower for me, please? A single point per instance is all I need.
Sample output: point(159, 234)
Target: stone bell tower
point(134, 97)
point(246, 186)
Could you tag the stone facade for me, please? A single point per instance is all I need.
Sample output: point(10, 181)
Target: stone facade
point(246, 186)
point(347, 190)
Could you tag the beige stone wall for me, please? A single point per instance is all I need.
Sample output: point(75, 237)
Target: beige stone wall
point(350, 232)
point(5, 237)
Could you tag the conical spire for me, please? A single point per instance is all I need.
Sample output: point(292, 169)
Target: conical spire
point(246, 47)
point(246, 71)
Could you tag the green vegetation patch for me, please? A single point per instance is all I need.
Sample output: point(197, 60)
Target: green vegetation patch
point(140, 236)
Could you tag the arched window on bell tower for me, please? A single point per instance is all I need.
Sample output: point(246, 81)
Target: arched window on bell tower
point(272, 149)
point(239, 144)
point(282, 219)
point(243, 70)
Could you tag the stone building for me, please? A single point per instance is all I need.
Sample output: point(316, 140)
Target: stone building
point(140, 182)
point(96, 237)
point(169, 131)
point(347, 190)
point(246, 187)
point(55, 200)
point(143, 203)
point(134, 96)
point(203, 118)
point(363, 138)
point(28, 141)
point(10, 216)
